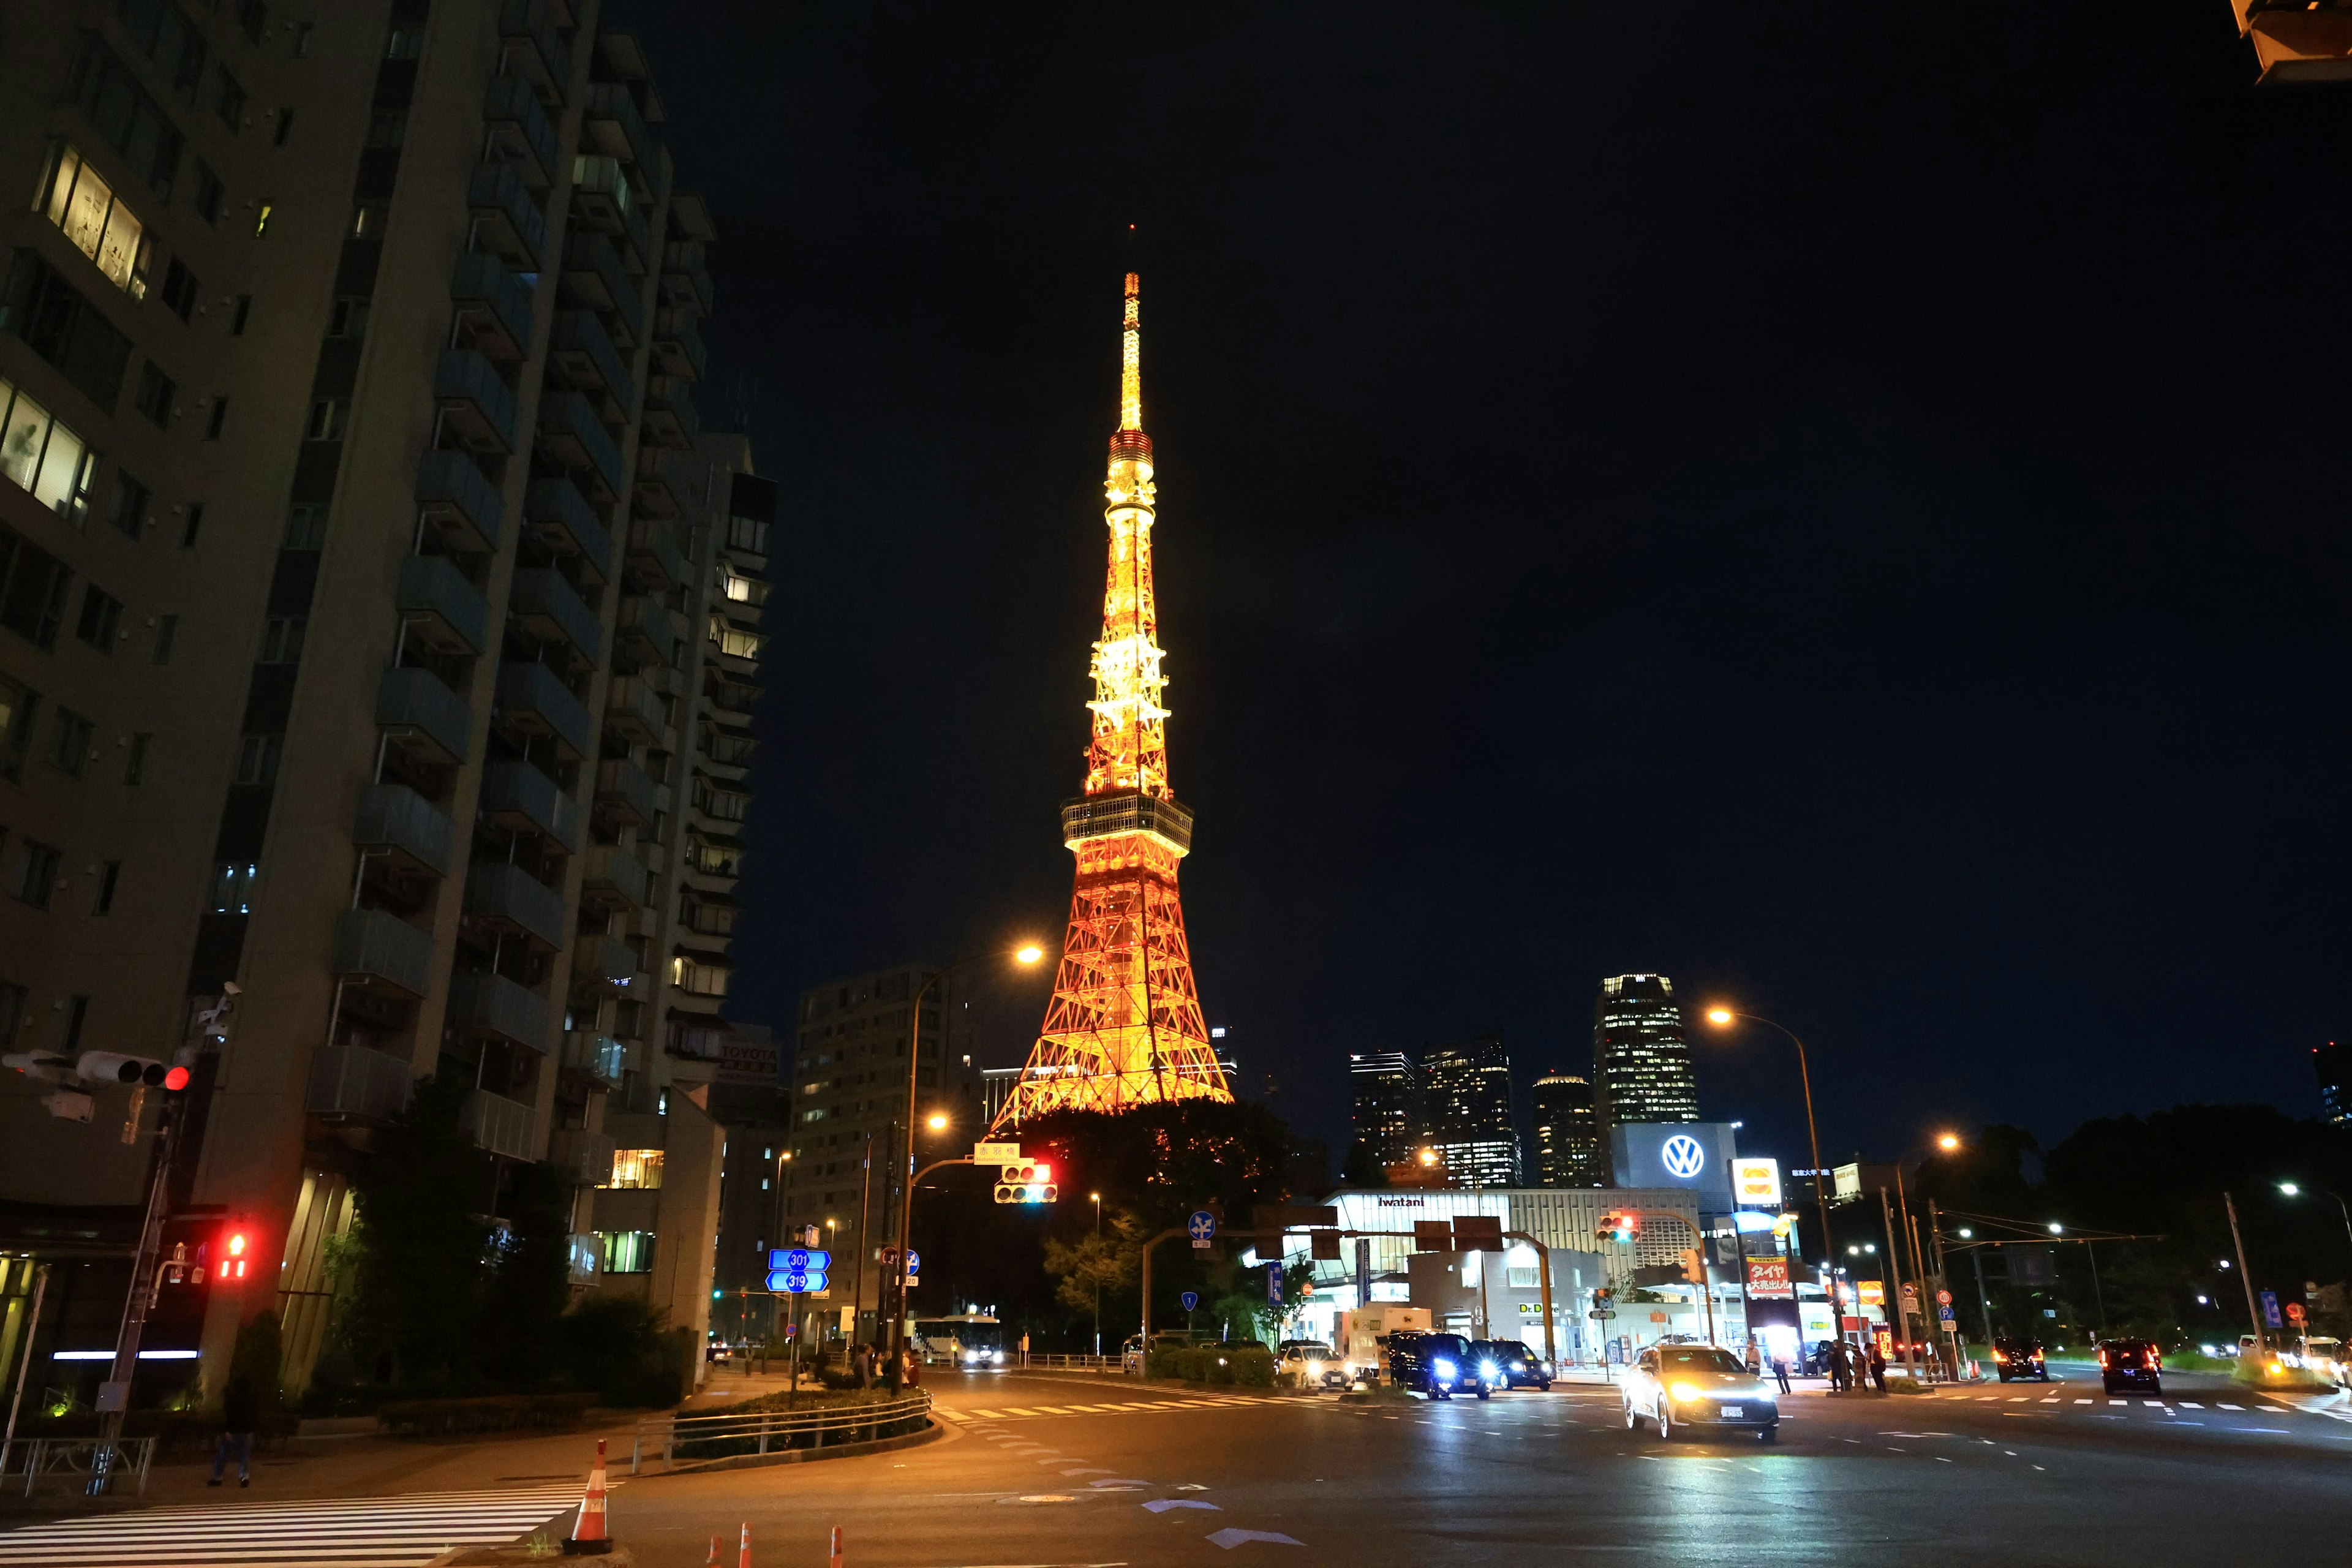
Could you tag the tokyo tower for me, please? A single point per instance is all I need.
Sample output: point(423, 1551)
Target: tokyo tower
point(1124, 1028)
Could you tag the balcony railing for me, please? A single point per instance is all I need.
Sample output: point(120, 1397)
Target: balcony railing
point(443, 610)
point(593, 270)
point(500, 1125)
point(605, 963)
point(507, 896)
point(492, 302)
point(670, 413)
point(601, 1058)
point(636, 712)
point(586, 353)
point(534, 49)
point(612, 122)
point(532, 701)
point(679, 347)
point(424, 714)
point(396, 821)
point(456, 499)
point(487, 1004)
point(551, 610)
point(519, 130)
point(378, 946)
point(616, 878)
point(518, 796)
point(354, 1082)
point(651, 629)
point(625, 794)
point(684, 281)
point(662, 488)
point(560, 515)
point(506, 216)
point(478, 407)
point(586, 1157)
point(570, 432)
point(654, 555)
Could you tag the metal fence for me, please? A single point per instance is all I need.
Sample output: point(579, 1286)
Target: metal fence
point(1068, 1362)
point(70, 1459)
point(672, 1440)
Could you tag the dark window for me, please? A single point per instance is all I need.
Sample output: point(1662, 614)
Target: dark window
point(228, 100)
point(219, 417)
point(36, 874)
point(134, 123)
point(368, 219)
point(108, 875)
point(73, 742)
point(387, 128)
point(233, 889)
point(64, 329)
point(326, 419)
point(253, 17)
point(405, 44)
point(306, 526)
point(156, 394)
point(180, 288)
point(32, 589)
point(285, 126)
point(302, 40)
point(77, 1015)
point(349, 319)
point(101, 617)
point(167, 632)
point(135, 760)
point(243, 314)
point(169, 38)
point(130, 511)
point(257, 759)
point(18, 705)
point(11, 1005)
point(281, 639)
point(194, 525)
point(211, 195)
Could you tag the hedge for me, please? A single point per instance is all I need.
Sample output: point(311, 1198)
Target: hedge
point(491, 1413)
point(1214, 1364)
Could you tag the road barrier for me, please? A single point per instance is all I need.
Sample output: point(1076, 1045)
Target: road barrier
point(672, 1440)
point(72, 1457)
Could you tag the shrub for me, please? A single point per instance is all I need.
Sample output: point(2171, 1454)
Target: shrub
point(1253, 1369)
point(617, 1346)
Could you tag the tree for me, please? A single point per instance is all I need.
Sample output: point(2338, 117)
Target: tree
point(418, 1275)
point(1095, 1268)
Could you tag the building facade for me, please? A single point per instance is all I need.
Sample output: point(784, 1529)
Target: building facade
point(378, 627)
point(1466, 1089)
point(846, 1167)
point(1641, 1062)
point(1390, 1120)
point(1568, 1150)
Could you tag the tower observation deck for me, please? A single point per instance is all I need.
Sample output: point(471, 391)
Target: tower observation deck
point(1124, 1028)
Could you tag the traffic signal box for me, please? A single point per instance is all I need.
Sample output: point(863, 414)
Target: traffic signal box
point(1027, 1181)
point(1620, 1228)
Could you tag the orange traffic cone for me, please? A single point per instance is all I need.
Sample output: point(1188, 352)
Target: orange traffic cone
point(743, 1556)
point(712, 1561)
point(836, 1547)
point(589, 1536)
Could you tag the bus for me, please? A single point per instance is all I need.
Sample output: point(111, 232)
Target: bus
point(962, 1339)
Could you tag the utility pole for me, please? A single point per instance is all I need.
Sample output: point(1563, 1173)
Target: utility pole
point(114, 1394)
point(1895, 1292)
point(2262, 1341)
point(24, 1365)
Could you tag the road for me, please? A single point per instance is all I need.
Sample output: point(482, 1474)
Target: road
point(1064, 1469)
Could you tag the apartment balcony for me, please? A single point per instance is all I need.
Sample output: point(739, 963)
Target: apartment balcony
point(636, 712)
point(570, 432)
point(730, 701)
point(602, 963)
point(613, 126)
point(423, 716)
point(649, 630)
point(458, 503)
point(401, 825)
point(519, 134)
point(720, 805)
point(662, 486)
point(549, 608)
point(677, 347)
point(531, 702)
point(614, 880)
point(533, 47)
point(654, 558)
point(593, 271)
point(507, 216)
point(500, 1125)
point(589, 360)
point(587, 1254)
point(684, 281)
point(561, 518)
point(477, 408)
point(626, 796)
point(353, 1083)
point(441, 609)
point(603, 1058)
point(521, 799)
point(493, 306)
point(603, 197)
point(586, 1157)
point(382, 950)
point(507, 898)
point(670, 414)
point(487, 1004)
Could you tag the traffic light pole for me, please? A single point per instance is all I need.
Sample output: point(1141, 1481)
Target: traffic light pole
point(114, 1396)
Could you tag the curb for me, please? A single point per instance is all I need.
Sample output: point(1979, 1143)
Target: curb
point(930, 1434)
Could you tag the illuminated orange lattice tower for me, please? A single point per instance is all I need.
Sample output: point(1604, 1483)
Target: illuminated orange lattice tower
point(1124, 1028)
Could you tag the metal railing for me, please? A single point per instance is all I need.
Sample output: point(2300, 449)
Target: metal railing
point(72, 1456)
point(1066, 1363)
point(671, 1439)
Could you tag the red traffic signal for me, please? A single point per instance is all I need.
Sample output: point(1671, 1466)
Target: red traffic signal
point(235, 1243)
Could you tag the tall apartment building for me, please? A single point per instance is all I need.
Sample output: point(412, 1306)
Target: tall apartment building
point(1390, 1120)
point(1569, 1150)
point(1467, 1091)
point(848, 1154)
point(378, 628)
point(1641, 1062)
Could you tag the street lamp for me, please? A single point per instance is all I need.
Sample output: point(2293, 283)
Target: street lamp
point(938, 1122)
point(2294, 1190)
point(1726, 1018)
point(1027, 956)
point(1948, 1143)
point(1096, 1199)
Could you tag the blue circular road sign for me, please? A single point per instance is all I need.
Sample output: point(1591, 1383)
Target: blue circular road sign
point(1191, 1299)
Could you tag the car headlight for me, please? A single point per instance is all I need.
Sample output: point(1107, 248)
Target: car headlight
point(1314, 1369)
point(998, 1358)
point(1442, 1367)
point(1518, 1366)
point(1487, 1369)
point(1686, 1392)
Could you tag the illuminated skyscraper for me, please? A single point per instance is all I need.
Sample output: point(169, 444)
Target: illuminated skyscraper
point(1125, 1028)
point(1390, 1120)
point(1641, 1063)
point(1467, 1090)
point(1567, 1152)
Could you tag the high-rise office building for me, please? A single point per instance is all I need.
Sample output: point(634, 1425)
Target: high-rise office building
point(2335, 1073)
point(1569, 1150)
point(1641, 1063)
point(1467, 1091)
point(1389, 1121)
point(849, 1122)
point(378, 627)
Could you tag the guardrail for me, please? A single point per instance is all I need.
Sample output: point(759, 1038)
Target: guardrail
point(1071, 1362)
point(673, 1439)
point(72, 1458)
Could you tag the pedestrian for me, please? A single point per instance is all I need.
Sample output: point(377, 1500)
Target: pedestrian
point(1842, 1367)
point(914, 1368)
point(240, 1409)
point(861, 1361)
point(897, 1369)
point(1780, 1371)
point(1878, 1367)
point(1755, 1358)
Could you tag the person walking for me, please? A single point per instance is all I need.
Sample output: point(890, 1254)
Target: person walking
point(240, 1414)
point(1780, 1372)
point(1878, 1367)
point(914, 1369)
point(1755, 1358)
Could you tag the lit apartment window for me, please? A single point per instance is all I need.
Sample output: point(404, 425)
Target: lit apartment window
point(636, 1168)
point(627, 1251)
point(702, 979)
point(233, 889)
point(84, 206)
point(41, 454)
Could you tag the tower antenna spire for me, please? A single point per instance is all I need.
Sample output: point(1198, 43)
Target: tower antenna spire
point(1130, 359)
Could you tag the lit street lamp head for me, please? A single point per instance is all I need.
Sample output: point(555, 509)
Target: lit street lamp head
point(938, 1122)
point(1948, 1141)
point(1721, 1016)
point(2290, 1189)
point(1028, 952)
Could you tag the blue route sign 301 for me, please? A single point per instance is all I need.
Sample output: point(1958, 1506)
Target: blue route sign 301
point(799, 1259)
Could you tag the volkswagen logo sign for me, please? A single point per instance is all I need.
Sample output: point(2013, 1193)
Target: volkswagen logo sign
point(1683, 1157)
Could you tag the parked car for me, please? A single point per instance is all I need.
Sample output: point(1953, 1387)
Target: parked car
point(2015, 1358)
point(1131, 1354)
point(2130, 1364)
point(1311, 1362)
point(1515, 1366)
point(1682, 1388)
point(1433, 1365)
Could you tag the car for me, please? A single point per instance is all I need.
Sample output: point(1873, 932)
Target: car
point(2130, 1364)
point(2016, 1358)
point(1688, 1388)
point(1312, 1363)
point(1515, 1366)
point(1131, 1354)
point(1433, 1365)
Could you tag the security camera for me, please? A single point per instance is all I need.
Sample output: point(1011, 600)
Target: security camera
point(231, 988)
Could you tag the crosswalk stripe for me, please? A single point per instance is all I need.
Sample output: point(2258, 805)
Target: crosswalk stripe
point(988, 1415)
point(2191, 1405)
point(356, 1532)
point(2233, 1407)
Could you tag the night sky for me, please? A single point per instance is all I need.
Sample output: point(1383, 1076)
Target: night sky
point(1844, 504)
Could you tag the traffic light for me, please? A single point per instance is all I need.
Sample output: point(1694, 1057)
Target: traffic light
point(1620, 1228)
point(236, 1246)
point(1028, 1182)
